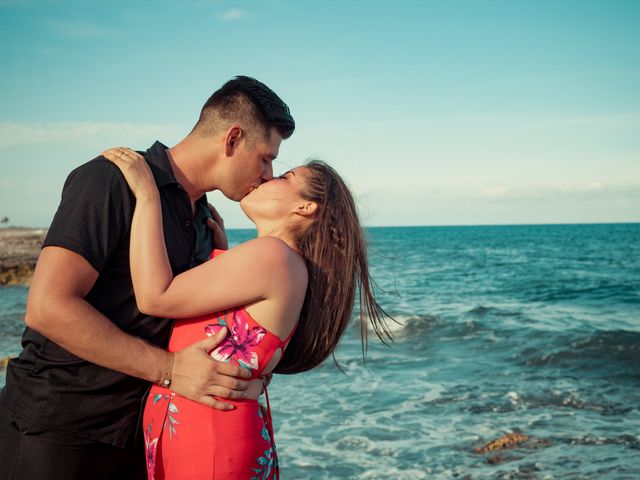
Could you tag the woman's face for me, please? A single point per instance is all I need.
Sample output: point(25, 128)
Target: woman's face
point(277, 198)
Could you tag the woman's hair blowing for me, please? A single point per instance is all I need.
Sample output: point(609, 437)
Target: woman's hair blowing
point(336, 254)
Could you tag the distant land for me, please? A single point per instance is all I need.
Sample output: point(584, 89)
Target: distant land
point(19, 250)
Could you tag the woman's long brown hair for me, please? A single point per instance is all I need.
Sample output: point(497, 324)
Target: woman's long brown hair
point(336, 254)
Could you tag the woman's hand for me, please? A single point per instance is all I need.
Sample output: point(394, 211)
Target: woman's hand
point(135, 170)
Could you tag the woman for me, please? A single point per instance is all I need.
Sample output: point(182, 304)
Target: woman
point(293, 288)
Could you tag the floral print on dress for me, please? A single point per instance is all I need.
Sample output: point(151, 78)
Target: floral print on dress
point(172, 410)
point(150, 451)
point(239, 342)
point(151, 444)
point(268, 461)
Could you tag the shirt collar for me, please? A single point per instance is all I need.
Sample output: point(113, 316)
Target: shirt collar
point(161, 168)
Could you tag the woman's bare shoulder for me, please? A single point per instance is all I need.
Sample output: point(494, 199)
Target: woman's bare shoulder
point(270, 251)
point(286, 275)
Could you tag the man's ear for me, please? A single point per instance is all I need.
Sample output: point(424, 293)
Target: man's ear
point(306, 209)
point(232, 139)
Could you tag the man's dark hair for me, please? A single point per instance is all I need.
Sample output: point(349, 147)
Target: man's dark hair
point(248, 102)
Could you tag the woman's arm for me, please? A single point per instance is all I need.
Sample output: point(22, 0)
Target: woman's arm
point(260, 269)
point(246, 274)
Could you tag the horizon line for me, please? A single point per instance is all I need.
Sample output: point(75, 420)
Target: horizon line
point(635, 222)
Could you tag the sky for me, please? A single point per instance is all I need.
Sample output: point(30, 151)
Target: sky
point(435, 112)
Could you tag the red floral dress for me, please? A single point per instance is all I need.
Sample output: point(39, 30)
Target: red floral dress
point(187, 440)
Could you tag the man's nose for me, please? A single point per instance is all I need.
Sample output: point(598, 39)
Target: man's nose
point(267, 172)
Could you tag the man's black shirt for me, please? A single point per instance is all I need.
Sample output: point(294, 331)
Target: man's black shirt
point(52, 388)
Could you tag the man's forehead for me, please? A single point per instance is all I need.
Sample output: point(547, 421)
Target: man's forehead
point(266, 150)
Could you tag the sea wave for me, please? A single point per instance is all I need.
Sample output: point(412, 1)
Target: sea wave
point(607, 291)
point(600, 349)
point(482, 311)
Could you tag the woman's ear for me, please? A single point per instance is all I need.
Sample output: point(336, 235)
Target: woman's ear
point(232, 140)
point(306, 209)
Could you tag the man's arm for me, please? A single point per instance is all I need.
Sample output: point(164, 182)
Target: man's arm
point(56, 308)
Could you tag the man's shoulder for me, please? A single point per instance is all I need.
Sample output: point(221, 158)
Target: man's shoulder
point(99, 169)
point(97, 177)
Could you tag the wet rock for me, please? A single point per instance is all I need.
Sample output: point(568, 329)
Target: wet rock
point(4, 361)
point(19, 250)
point(510, 440)
point(501, 458)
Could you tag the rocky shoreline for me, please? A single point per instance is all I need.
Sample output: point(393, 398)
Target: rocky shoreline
point(19, 250)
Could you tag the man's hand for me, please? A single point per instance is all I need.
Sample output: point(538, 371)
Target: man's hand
point(216, 224)
point(198, 377)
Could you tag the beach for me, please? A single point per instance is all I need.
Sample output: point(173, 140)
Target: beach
point(529, 334)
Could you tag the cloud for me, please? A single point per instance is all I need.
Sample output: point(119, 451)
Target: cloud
point(533, 192)
point(593, 187)
point(494, 192)
point(16, 135)
point(579, 203)
point(233, 15)
point(614, 120)
point(514, 192)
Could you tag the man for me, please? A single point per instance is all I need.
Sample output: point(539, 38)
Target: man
point(72, 402)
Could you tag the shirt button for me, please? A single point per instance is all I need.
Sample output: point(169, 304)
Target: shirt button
point(187, 223)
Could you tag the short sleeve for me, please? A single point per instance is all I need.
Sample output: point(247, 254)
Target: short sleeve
point(94, 215)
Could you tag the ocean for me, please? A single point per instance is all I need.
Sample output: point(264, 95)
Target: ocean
point(530, 329)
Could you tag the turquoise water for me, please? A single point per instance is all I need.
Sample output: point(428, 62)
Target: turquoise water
point(532, 329)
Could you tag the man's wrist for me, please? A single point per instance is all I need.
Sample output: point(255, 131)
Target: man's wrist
point(167, 373)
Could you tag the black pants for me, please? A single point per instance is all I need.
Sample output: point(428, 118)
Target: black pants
point(33, 453)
